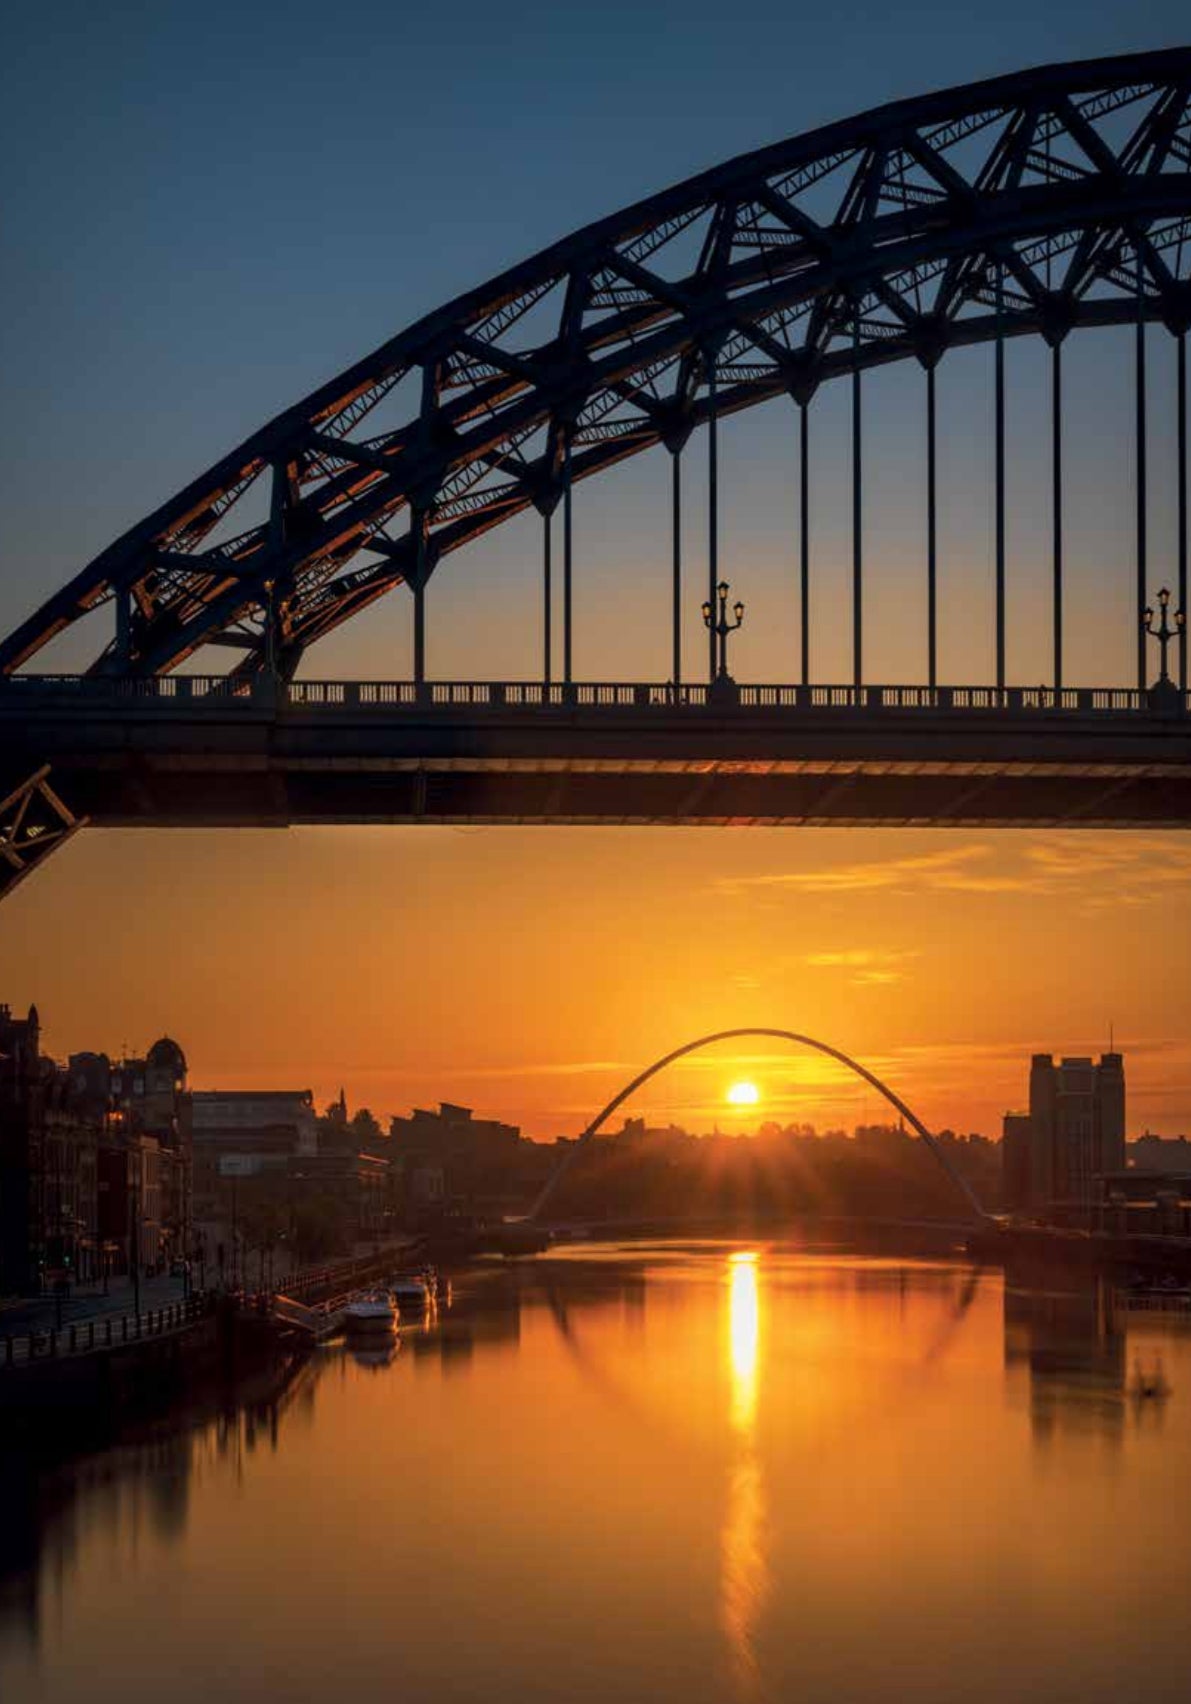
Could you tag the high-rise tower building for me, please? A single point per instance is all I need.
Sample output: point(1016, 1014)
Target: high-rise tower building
point(1075, 1133)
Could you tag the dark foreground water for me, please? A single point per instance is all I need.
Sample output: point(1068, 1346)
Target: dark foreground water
point(697, 1472)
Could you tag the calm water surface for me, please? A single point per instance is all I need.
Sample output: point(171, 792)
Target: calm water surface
point(700, 1472)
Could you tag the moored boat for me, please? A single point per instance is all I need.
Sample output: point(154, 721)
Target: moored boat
point(412, 1293)
point(371, 1311)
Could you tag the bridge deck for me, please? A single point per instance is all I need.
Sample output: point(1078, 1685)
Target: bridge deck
point(199, 752)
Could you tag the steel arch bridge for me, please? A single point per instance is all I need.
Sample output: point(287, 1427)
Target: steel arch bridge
point(1033, 203)
point(961, 1185)
point(1038, 203)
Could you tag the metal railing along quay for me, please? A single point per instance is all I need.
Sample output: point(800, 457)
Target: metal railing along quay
point(338, 1278)
point(102, 1333)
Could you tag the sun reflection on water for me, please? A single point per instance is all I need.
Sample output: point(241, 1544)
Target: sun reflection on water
point(744, 1566)
point(744, 1330)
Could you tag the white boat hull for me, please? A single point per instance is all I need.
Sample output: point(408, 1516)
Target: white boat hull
point(371, 1314)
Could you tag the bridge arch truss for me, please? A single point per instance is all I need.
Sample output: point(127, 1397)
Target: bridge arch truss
point(1030, 204)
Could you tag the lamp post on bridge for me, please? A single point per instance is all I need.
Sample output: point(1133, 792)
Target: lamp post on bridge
point(722, 686)
point(1164, 694)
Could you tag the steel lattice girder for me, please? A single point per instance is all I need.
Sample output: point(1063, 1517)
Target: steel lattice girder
point(33, 823)
point(1035, 203)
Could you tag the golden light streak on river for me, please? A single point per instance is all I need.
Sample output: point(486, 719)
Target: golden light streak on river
point(744, 1562)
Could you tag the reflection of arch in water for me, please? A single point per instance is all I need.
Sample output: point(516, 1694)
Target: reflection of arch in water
point(590, 1368)
point(568, 1160)
point(603, 1380)
point(941, 1343)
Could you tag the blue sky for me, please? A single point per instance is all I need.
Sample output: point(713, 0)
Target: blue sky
point(211, 209)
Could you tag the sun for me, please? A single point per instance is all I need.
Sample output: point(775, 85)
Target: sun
point(743, 1094)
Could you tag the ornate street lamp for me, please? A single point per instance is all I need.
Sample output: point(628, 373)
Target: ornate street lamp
point(719, 624)
point(1163, 633)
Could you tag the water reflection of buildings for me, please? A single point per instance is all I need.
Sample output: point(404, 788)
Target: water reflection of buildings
point(51, 1512)
point(56, 1522)
point(744, 1564)
point(49, 1516)
point(490, 1316)
point(462, 1325)
point(1068, 1346)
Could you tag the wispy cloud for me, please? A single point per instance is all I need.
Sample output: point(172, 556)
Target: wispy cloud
point(336, 1069)
point(563, 1068)
point(1121, 870)
point(1129, 869)
point(854, 958)
point(868, 966)
point(925, 869)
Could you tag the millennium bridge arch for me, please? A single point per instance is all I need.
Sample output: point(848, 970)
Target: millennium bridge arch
point(1028, 206)
point(962, 1186)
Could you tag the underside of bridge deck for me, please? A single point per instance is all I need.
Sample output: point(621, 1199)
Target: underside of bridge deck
point(143, 794)
point(241, 765)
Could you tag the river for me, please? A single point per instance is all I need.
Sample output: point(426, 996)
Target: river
point(694, 1471)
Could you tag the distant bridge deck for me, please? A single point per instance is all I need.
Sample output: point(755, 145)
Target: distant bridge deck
point(209, 750)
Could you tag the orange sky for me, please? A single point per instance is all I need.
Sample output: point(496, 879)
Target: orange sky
point(528, 972)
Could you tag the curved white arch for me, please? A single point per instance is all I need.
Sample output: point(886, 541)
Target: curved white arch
point(799, 1040)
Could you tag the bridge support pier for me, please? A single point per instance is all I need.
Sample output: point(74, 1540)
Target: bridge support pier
point(33, 823)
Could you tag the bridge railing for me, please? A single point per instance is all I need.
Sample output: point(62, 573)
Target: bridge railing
point(220, 693)
point(176, 688)
point(585, 695)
